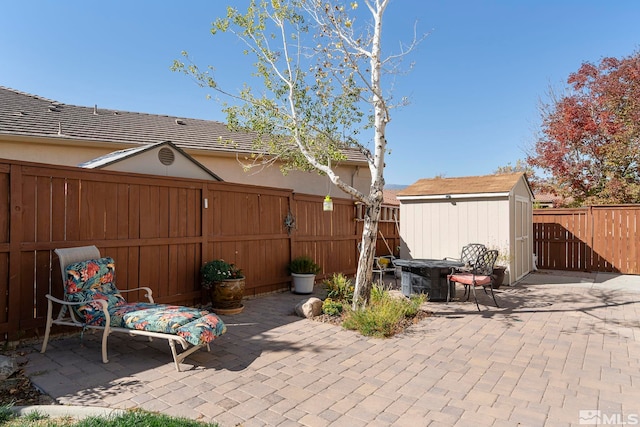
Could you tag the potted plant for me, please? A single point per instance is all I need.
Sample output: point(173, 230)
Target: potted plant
point(225, 284)
point(303, 270)
point(500, 268)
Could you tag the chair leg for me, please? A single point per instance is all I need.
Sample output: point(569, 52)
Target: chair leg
point(494, 296)
point(475, 297)
point(47, 330)
point(105, 335)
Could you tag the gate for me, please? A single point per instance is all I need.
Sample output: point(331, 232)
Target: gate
point(595, 238)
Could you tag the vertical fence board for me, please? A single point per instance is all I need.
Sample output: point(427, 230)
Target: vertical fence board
point(597, 238)
point(153, 227)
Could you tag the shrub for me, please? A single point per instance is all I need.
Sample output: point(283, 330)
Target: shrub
point(384, 315)
point(339, 288)
point(331, 307)
point(304, 265)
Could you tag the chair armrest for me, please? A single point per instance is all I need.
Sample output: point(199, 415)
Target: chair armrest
point(59, 301)
point(149, 292)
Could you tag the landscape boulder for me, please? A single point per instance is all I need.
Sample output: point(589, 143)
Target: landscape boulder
point(309, 308)
point(8, 366)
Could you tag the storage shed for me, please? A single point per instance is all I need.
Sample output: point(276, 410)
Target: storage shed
point(441, 215)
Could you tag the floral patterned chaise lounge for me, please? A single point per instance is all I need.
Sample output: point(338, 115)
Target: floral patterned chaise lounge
point(92, 300)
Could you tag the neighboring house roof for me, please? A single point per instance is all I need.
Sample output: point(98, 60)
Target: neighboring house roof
point(549, 200)
point(31, 115)
point(546, 198)
point(166, 157)
point(487, 184)
point(389, 197)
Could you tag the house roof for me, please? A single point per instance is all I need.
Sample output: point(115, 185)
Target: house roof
point(31, 115)
point(389, 197)
point(120, 155)
point(498, 183)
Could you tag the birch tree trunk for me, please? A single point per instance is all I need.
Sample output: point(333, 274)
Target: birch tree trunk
point(318, 97)
point(364, 277)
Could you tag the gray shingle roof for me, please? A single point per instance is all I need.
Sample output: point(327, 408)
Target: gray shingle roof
point(31, 115)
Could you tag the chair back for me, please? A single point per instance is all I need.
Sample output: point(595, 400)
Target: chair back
point(72, 255)
point(485, 262)
point(471, 252)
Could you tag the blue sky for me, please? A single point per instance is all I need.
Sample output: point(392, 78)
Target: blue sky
point(474, 90)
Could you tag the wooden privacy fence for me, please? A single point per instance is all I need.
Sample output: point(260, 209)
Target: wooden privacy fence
point(595, 238)
point(159, 231)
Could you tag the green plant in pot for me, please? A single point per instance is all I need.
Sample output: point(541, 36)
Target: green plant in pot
point(303, 270)
point(225, 284)
point(500, 268)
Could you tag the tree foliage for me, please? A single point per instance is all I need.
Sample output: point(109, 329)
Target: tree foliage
point(319, 88)
point(590, 139)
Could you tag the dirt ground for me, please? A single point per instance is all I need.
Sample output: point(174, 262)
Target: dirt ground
point(17, 389)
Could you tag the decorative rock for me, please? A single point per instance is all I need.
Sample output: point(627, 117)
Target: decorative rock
point(396, 294)
point(309, 308)
point(8, 365)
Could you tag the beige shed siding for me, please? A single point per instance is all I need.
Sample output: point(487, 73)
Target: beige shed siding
point(440, 216)
point(438, 229)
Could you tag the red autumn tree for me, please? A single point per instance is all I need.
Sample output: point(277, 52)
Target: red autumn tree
point(590, 141)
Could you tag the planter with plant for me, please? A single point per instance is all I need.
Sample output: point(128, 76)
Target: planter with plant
point(500, 268)
point(225, 284)
point(303, 270)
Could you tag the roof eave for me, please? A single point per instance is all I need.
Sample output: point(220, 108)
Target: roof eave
point(453, 196)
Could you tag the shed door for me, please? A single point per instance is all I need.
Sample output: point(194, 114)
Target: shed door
point(523, 246)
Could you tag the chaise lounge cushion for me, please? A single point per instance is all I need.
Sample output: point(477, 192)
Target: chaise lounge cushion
point(94, 280)
point(91, 281)
point(195, 326)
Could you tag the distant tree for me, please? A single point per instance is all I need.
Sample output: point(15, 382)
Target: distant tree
point(520, 166)
point(590, 140)
point(320, 85)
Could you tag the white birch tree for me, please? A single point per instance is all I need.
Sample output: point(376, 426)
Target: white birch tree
point(321, 89)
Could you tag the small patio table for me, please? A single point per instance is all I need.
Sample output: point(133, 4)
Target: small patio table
point(427, 276)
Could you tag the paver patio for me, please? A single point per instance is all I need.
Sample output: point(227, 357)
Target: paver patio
point(560, 344)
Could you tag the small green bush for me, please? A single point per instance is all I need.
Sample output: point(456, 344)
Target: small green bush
point(339, 288)
point(304, 265)
point(6, 413)
point(384, 314)
point(331, 307)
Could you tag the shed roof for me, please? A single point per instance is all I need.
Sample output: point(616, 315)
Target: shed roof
point(31, 115)
point(497, 183)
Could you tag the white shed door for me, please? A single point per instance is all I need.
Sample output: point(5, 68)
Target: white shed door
point(523, 247)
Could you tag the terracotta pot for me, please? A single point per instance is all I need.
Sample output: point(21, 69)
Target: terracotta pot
point(227, 294)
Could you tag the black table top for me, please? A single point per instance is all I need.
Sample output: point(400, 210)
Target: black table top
point(427, 263)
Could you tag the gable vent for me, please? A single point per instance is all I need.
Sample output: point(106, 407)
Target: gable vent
point(166, 156)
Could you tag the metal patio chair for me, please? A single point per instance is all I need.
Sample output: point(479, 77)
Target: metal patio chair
point(384, 264)
point(469, 254)
point(481, 274)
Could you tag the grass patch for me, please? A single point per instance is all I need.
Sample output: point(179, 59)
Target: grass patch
point(133, 418)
